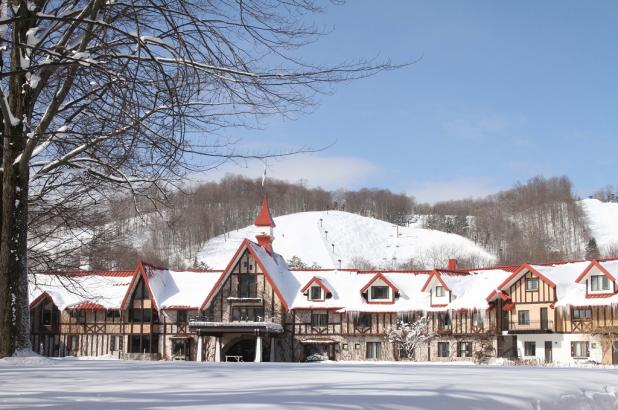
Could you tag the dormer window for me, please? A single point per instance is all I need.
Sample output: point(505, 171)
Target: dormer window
point(380, 293)
point(599, 283)
point(532, 284)
point(439, 291)
point(380, 290)
point(316, 293)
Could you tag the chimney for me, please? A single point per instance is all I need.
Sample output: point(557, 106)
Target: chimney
point(265, 241)
point(452, 264)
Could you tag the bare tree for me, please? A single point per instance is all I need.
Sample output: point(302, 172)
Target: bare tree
point(409, 336)
point(105, 96)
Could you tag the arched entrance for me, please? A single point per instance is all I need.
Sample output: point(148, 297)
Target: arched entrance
point(244, 350)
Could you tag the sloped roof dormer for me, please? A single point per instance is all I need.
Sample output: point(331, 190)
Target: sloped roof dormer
point(589, 269)
point(380, 280)
point(315, 281)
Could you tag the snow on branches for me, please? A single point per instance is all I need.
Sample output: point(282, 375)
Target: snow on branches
point(408, 336)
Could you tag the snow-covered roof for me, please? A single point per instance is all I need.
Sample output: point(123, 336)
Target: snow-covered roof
point(172, 289)
point(471, 291)
point(568, 291)
point(176, 289)
point(69, 290)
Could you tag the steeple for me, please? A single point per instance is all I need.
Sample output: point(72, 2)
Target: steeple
point(264, 219)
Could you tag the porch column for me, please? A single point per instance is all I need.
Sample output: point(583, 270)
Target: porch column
point(258, 348)
point(218, 349)
point(200, 349)
point(272, 349)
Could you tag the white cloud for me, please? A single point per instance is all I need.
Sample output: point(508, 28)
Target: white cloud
point(454, 189)
point(328, 172)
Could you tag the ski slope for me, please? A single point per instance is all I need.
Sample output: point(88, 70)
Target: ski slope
point(311, 236)
point(602, 219)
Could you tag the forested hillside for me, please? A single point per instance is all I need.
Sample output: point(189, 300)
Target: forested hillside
point(540, 220)
point(537, 221)
point(177, 228)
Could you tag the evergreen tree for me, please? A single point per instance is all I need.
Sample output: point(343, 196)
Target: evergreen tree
point(592, 250)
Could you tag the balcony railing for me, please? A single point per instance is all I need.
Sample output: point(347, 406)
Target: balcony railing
point(532, 326)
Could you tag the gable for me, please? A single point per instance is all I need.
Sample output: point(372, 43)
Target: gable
point(594, 268)
point(139, 287)
point(246, 261)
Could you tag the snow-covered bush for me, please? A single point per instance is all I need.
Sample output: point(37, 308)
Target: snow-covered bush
point(408, 336)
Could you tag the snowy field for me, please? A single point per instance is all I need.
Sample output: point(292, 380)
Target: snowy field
point(113, 384)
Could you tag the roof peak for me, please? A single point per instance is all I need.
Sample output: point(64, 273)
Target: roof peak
point(264, 218)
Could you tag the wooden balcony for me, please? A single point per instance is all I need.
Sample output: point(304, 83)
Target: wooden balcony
point(531, 326)
point(581, 326)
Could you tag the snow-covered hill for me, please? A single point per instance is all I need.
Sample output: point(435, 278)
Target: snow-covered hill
point(311, 236)
point(602, 219)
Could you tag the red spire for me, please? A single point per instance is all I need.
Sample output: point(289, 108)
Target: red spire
point(264, 218)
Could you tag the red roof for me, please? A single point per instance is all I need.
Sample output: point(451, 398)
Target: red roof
point(317, 281)
point(379, 275)
point(599, 295)
point(87, 306)
point(264, 218)
point(600, 267)
point(116, 273)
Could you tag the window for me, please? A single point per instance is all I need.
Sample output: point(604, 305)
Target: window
point(344, 346)
point(316, 293)
point(73, 342)
point(143, 344)
point(532, 284)
point(181, 316)
point(363, 320)
point(529, 348)
point(581, 314)
point(380, 293)
point(523, 317)
point(477, 319)
point(439, 291)
point(444, 321)
point(112, 315)
point(247, 286)
point(464, 349)
point(319, 319)
point(140, 291)
point(599, 282)
point(79, 315)
point(580, 349)
point(374, 350)
point(50, 317)
point(114, 343)
point(407, 317)
point(443, 349)
point(247, 314)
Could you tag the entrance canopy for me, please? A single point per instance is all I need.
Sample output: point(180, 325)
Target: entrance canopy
point(218, 328)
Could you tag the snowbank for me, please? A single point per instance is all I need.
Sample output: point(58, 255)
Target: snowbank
point(97, 385)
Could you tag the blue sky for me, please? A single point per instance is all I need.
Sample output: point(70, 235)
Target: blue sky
point(504, 91)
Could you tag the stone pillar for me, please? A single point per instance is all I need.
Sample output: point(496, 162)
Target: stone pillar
point(258, 348)
point(272, 349)
point(218, 349)
point(200, 349)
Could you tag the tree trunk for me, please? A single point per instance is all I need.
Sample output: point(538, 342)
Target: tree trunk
point(14, 300)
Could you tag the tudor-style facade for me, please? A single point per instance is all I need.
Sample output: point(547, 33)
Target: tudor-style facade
point(256, 309)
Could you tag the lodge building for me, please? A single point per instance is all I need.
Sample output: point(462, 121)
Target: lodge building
point(257, 309)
